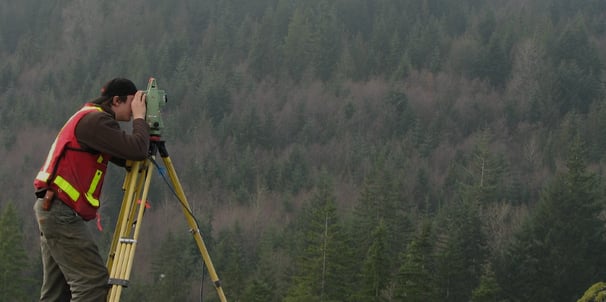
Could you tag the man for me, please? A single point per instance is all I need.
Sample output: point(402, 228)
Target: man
point(69, 184)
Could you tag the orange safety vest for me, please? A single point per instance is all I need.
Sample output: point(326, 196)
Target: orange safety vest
point(74, 174)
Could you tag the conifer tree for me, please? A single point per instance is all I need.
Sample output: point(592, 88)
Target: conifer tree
point(488, 290)
point(461, 251)
point(13, 259)
point(297, 49)
point(233, 259)
point(380, 203)
point(261, 53)
point(578, 69)
point(555, 254)
point(376, 276)
point(379, 41)
point(257, 291)
point(173, 265)
point(327, 44)
point(483, 177)
point(267, 282)
point(415, 277)
point(321, 264)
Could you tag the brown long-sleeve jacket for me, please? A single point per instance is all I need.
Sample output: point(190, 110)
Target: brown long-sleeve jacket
point(99, 131)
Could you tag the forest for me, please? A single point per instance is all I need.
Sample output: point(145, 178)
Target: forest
point(331, 150)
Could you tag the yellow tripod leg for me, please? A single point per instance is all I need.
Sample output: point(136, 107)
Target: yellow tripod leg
point(195, 231)
point(126, 235)
point(125, 209)
point(123, 246)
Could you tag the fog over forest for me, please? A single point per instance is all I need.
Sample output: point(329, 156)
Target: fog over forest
point(331, 150)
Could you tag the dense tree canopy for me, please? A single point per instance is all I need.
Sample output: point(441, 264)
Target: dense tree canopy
point(346, 150)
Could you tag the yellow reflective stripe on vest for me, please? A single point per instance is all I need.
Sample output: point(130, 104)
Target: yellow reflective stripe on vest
point(67, 188)
point(73, 192)
point(93, 186)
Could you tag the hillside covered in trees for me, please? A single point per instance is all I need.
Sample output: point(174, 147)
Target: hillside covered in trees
point(333, 150)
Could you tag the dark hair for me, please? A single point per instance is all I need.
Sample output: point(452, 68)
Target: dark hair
point(116, 87)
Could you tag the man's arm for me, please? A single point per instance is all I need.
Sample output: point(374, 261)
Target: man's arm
point(100, 132)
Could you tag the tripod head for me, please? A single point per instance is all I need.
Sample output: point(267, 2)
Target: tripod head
point(155, 100)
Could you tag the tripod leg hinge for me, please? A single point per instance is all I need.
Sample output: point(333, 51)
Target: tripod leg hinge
point(121, 282)
point(127, 240)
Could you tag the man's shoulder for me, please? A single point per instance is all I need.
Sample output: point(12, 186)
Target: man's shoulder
point(96, 118)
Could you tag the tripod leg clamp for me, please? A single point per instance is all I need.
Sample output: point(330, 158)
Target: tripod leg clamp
point(121, 282)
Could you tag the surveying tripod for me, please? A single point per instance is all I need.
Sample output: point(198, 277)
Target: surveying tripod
point(124, 242)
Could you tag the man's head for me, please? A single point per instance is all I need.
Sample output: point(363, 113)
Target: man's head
point(117, 94)
point(119, 87)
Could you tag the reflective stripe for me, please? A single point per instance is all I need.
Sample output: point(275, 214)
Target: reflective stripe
point(49, 157)
point(51, 153)
point(93, 107)
point(93, 186)
point(42, 176)
point(67, 188)
point(100, 159)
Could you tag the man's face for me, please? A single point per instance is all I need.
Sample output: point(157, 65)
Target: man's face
point(123, 110)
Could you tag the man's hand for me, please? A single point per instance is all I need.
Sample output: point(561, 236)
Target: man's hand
point(138, 105)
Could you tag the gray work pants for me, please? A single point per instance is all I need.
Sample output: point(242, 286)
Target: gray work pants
point(73, 269)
